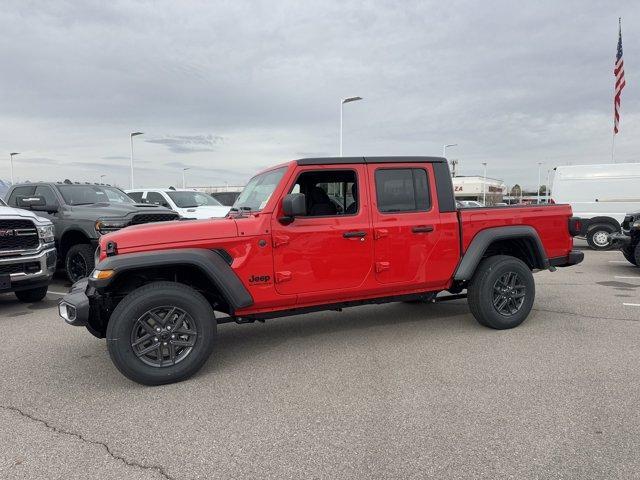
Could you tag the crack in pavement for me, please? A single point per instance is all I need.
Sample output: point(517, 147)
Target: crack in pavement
point(130, 463)
point(585, 315)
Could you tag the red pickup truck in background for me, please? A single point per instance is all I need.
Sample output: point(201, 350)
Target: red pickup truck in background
point(313, 234)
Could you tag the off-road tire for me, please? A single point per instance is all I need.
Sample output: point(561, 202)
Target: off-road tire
point(482, 290)
point(596, 234)
point(136, 304)
point(83, 254)
point(32, 295)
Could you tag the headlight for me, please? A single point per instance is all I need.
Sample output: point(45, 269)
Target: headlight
point(106, 226)
point(45, 232)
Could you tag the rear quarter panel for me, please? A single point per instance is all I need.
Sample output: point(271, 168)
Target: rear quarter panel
point(550, 222)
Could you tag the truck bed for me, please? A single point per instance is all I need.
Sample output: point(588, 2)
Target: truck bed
point(550, 221)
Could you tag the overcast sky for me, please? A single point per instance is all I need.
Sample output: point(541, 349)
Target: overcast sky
point(227, 88)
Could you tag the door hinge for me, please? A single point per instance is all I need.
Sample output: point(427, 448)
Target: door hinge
point(283, 277)
point(279, 240)
point(380, 233)
point(382, 266)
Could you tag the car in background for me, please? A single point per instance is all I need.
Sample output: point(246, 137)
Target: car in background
point(226, 198)
point(27, 253)
point(81, 213)
point(470, 204)
point(602, 193)
point(189, 204)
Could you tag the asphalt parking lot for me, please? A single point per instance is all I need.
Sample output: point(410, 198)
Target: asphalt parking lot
point(391, 391)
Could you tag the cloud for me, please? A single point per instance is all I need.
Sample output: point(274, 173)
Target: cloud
point(189, 143)
point(511, 83)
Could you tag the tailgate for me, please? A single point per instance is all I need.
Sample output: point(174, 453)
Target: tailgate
point(551, 222)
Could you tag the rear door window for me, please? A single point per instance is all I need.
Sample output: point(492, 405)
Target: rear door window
point(402, 190)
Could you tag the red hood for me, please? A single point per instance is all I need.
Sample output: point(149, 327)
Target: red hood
point(171, 233)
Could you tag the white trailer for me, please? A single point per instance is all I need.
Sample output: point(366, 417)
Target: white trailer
point(603, 193)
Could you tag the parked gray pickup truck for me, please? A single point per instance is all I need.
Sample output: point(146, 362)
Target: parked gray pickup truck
point(27, 254)
point(81, 213)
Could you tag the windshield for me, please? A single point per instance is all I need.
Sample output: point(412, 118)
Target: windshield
point(88, 194)
point(192, 199)
point(258, 191)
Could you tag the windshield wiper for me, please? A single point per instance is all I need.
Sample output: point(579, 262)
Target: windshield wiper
point(88, 203)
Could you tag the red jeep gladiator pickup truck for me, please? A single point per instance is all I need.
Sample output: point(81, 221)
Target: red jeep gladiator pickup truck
point(312, 234)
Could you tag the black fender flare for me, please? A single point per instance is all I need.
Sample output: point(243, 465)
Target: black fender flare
point(209, 262)
point(484, 238)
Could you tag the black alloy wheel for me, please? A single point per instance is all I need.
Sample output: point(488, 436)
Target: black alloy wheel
point(162, 332)
point(163, 336)
point(508, 294)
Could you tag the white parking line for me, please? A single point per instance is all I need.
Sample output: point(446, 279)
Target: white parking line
point(636, 277)
point(618, 261)
point(57, 293)
point(631, 304)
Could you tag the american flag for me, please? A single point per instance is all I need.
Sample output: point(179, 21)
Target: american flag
point(618, 71)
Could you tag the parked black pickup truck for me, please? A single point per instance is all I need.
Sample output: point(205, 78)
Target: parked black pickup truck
point(628, 240)
point(81, 212)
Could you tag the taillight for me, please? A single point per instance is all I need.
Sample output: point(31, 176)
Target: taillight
point(577, 225)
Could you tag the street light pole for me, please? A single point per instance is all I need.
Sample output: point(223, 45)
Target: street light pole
point(444, 148)
point(342, 102)
point(131, 135)
point(183, 179)
point(484, 185)
point(11, 155)
point(102, 176)
point(539, 166)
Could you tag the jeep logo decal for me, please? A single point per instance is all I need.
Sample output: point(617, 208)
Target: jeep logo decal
point(259, 279)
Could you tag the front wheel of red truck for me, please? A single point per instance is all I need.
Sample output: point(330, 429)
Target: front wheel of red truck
point(160, 333)
point(501, 292)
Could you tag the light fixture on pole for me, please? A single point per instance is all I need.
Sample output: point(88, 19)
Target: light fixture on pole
point(11, 155)
point(484, 184)
point(102, 176)
point(184, 184)
point(342, 102)
point(539, 166)
point(131, 135)
point(444, 148)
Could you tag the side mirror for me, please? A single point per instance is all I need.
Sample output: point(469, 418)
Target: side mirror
point(37, 203)
point(30, 202)
point(293, 205)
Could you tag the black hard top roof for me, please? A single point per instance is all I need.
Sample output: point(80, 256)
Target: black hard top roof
point(341, 160)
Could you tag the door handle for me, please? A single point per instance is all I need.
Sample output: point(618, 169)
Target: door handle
point(354, 234)
point(422, 229)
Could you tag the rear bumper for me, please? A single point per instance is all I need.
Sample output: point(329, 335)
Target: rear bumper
point(573, 258)
point(74, 306)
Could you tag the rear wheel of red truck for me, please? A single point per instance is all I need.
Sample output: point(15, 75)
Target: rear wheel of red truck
point(161, 333)
point(501, 292)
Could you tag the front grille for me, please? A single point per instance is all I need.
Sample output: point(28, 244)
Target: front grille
point(18, 235)
point(28, 267)
point(153, 217)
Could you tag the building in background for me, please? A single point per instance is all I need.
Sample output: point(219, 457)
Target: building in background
point(477, 187)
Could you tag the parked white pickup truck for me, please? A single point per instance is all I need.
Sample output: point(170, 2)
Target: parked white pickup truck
point(27, 253)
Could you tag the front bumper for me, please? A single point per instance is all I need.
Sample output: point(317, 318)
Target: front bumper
point(37, 272)
point(620, 240)
point(74, 306)
point(573, 258)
